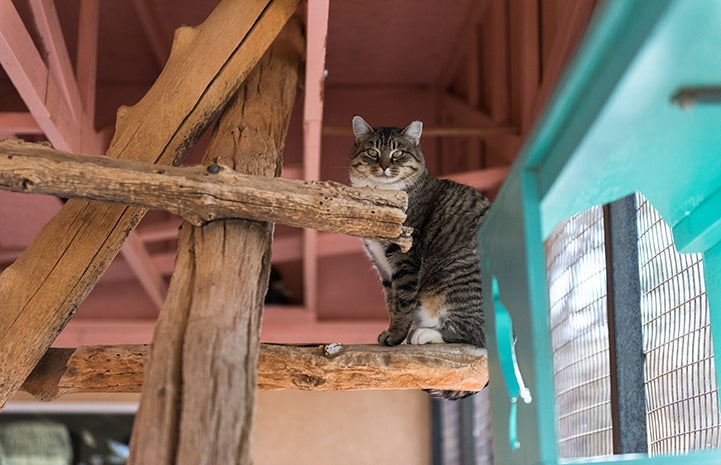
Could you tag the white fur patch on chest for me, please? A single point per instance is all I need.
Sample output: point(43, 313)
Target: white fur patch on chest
point(377, 252)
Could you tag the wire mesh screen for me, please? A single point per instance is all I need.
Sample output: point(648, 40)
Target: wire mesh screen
point(576, 269)
point(681, 393)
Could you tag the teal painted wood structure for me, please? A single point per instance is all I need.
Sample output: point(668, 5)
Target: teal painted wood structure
point(637, 110)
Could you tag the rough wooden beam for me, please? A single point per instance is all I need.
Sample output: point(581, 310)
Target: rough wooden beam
point(205, 193)
point(44, 286)
point(318, 367)
point(198, 403)
point(335, 367)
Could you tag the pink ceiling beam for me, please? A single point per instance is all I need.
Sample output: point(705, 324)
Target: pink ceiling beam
point(482, 179)
point(496, 72)
point(507, 144)
point(564, 44)
point(315, 73)
point(26, 69)
point(87, 55)
point(48, 25)
point(38, 86)
point(160, 40)
point(140, 261)
point(473, 16)
point(527, 75)
point(21, 122)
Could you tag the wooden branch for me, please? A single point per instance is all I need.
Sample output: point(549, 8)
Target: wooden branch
point(323, 367)
point(202, 194)
point(44, 286)
point(335, 367)
point(88, 369)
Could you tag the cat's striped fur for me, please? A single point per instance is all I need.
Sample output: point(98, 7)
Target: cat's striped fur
point(434, 288)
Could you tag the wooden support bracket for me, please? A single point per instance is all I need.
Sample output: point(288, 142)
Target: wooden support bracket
point(320, 367)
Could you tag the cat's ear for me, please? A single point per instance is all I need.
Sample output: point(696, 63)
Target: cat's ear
point(413, 131)
point(360, 128)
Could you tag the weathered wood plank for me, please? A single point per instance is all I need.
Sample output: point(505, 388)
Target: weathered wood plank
point(44, 286)
point(210, 362)
point(322, 367)
point(205, 193)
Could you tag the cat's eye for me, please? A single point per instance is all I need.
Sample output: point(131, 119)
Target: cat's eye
point(398, 155)
point(372, 153)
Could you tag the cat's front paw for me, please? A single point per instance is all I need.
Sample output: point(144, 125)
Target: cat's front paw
point(388, 338)
point(426, 336)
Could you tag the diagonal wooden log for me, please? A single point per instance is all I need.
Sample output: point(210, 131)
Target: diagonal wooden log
point(321, 367)
point(205, 193)
point(198, 401)
point(44, 286)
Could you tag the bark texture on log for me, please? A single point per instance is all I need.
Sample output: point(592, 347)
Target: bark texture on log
point(87, 370)
point(44, 286)
point(321, 367)
point(202, 371)
point(206, 193)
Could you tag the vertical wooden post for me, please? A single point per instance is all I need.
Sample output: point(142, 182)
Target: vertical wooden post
point(198, 399)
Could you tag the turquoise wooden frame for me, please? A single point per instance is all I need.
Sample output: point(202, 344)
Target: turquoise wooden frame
point(611, 128)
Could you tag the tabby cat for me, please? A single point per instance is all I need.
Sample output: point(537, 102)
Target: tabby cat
point(436, 286)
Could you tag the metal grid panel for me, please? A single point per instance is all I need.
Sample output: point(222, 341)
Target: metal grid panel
point(576, 268)
point(681, 393)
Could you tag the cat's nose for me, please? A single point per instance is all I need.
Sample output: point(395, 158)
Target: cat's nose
point(386, 171)
point(385, 163)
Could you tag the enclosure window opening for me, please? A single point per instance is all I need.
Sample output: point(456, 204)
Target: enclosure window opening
point(576, 271)
point(679, 384)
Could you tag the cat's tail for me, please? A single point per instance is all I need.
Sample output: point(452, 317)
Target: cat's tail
point(449, 395)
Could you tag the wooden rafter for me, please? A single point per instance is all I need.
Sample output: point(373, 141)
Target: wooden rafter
point(564, 44)
point(38, 87)
point(476, 10)
point(525, 69)
point(505, 144)
point(317, 32)
point(48, 24)
point(18, 122)
point(87, 55)
point(154, 29)
point(148, 274)
point(495, 72)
